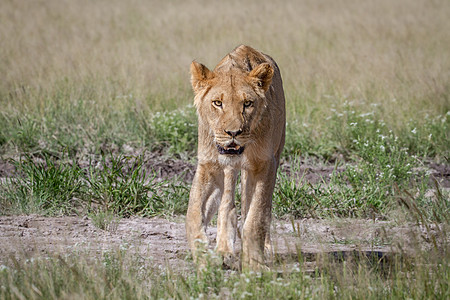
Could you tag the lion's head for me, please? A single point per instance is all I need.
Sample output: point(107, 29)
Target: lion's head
point(231, 101)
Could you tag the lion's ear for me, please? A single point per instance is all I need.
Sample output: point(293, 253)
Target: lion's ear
point(199, 76)
point(262, 74)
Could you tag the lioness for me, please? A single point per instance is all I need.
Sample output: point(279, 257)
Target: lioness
point(241, 127)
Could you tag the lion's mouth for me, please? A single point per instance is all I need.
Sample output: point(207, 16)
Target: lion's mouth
point(231, 149)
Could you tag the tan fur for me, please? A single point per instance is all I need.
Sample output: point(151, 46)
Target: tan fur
point(239, 104)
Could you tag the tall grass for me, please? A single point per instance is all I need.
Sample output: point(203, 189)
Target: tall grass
point(79, 74)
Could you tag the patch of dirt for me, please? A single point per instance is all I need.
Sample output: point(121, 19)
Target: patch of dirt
point(441, 173)
point(6, 168)
point(164, 242)
point(154, 163)
point(312, 172)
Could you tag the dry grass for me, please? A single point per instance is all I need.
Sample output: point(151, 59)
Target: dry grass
point(93, 72)
point(68, 69)
point(328, 51)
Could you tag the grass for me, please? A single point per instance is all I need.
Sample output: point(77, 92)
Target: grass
point(105, 220)
point(121, 185)
point(110, 69)
point(114, 186)
point(43, 187)
point(376, 165)
point(367, 88)
point(122, 274)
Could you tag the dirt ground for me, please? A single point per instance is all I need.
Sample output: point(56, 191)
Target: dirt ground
point(164, 243)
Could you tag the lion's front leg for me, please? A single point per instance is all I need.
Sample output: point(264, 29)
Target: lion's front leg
point(204, 200)
point(227, 217)
point(256, 227)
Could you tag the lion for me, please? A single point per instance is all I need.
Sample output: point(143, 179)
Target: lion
point(241, 128)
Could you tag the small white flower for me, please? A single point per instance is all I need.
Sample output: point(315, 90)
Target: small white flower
point(366, 114)
point(414, 130)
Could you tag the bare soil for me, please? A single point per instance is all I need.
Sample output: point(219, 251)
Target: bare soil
point(163, 242)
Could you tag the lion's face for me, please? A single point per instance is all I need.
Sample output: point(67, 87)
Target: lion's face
point(231, 103)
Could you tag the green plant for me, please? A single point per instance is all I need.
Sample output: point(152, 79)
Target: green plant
point(174, 196)
point(175, 131)
point(43, 186)
point(104, 220)
point(114, 186)
point(121, 185)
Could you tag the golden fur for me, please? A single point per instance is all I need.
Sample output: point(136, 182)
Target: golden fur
point(241, 127)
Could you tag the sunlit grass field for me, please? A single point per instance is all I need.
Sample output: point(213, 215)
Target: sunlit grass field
point(367, 88)
point(79, 74)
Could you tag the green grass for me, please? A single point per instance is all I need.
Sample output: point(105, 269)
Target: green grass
point(43, 187)
point(367, 89)
point(104, 219)
point(117, 185)
point(61, 130)
point(377, 163)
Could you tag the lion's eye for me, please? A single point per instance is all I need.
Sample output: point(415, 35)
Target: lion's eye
point(248, 103)
point(217, 103)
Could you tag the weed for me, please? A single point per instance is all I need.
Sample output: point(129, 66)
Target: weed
point(43, 186)
point(124, 192)
point(379, 161)
point(175, 197)
point(114, 186)
point(104, 220)
point(121, 274)
point(176, 131)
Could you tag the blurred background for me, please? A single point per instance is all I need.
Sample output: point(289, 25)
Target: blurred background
point(88, 72)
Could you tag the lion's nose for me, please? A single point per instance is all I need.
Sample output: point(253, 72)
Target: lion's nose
point(234, 133)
